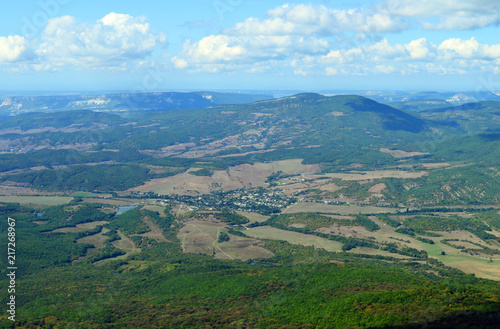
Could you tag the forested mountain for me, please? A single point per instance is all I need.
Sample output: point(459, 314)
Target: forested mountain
point(299, 212)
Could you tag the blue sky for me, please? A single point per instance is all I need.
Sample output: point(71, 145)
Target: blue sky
point(250, 45)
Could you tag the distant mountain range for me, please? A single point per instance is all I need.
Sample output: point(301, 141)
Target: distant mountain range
point(161, 101)
point(452, 98)
point(322, 129)
point(123, 102)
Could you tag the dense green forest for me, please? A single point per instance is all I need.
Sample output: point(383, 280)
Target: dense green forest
point(162, 287)
point(102, 178)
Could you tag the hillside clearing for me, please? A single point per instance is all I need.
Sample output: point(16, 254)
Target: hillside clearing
point(236, 177)
point(334, 209)
point(36, 200)
point(267, 232)
point(80, 227)
point(201, 236)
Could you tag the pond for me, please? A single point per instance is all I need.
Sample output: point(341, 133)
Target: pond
point(123, 209)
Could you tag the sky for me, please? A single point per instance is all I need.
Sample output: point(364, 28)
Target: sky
point(147, 46)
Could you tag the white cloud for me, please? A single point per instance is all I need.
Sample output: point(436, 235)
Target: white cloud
point(468, 49)
point(111, 42)
point(305, 40)
point(13, 49)
point(331, 71)
point(389, 16)
point(419, 49)
point(309, 55)
point(179, 63)
point(300, 39)
point(451, 14)
point(300, 72)
point(290, 32)
point(458, 48)
point(386, 69)
point(334, 56)
point(452, 56)
point(117, 41)
point(311, 19)
point(215, 49)
point(384, 50)
point(244, 50)
point(462, 22)
point(492, 52)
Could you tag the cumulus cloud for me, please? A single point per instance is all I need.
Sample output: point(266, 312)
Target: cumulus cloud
point(228, 49)
point(179, 63)
point(111, 41)
point(451, 14)
point(468, 49)
point(452, 56)
point(215, 49)
point(331, 71)
point(419, 49)
point(384, 50)
point(288, 32)
point(117, 41)
point(310, 55)
point(314, 39)
point(14, 49)
point(386, 69)
point(303, 39)
point(458, 48)
point(302, 19)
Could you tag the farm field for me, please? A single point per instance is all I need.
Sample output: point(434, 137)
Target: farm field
point(252, 216)
point(236, 177)
point(114, 202)
point(80, 227)
point(201, 236)
point(400, 153)
point(97, 240)
point(125, 244)
point(334, 209)
point(480, 267)
point(369, 175)
point(155, 208)
point(36, 200)
point(9, 190)
point(155, 232)
point(459, 249)
point(293, 237)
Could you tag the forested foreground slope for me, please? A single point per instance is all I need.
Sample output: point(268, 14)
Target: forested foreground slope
point(63, 284)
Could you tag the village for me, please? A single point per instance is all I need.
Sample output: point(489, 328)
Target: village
point(257, 200)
